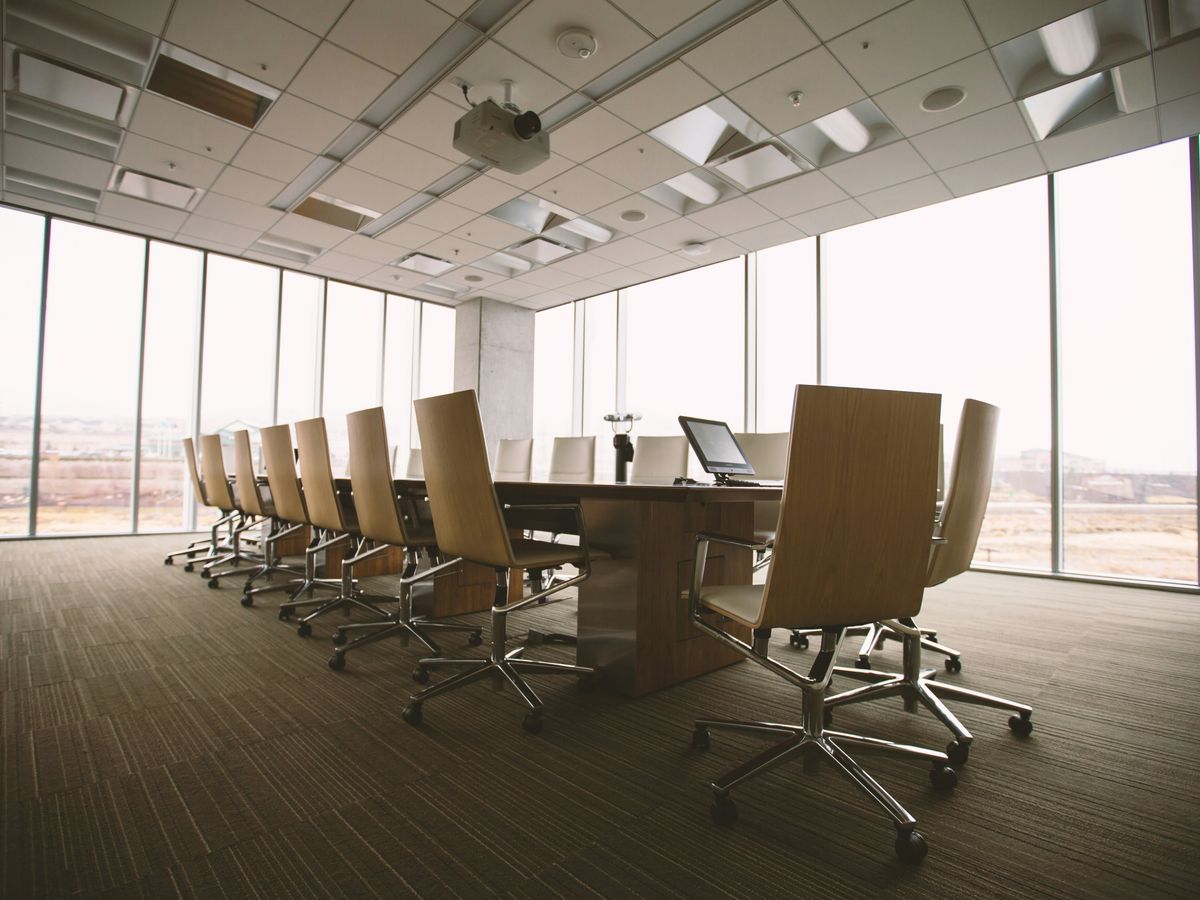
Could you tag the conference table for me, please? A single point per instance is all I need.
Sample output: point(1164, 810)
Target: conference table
point(633, 620)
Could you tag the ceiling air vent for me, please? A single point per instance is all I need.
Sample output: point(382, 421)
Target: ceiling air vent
point(425, 264)
point(66, 86)
point(335, 212)
point(155, 189)
point(52, 190)
point(197, 82)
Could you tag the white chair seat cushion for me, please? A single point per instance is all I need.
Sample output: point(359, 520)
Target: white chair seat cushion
point(740, 602)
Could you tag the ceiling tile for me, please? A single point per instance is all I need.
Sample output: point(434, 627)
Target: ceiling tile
point(546, 300)
point(365, 190)
point(130, 209)
point(619, 278)
point(429, 124)
point(528, 180)
point(611, 215)
point(732, 215)
point(981, 135)
point(533, 31)
point(919, 37)
point(309, 231)
point(581, 290)
point(234, 32)
point(898, 198)
point(760, 42)
point(831, 218)
point(273, 158)
point(491, 232)
point(1177, 70)
point(490, 64)
point(390, 33)
point(67, 165)
point(247, 186)
point(639, 163)
point(340, 81)
point(471, 279)
point(799, 194)
point(825, 84)
point(400, 162)
point(993, 171)
point(483, 194)
point(669, 264)
point(441, 216)
point(302, 124)
point(547, 277)
point(581, 190)
point(344, 264)
point(236, 212)
point(627, 251)
point(368, 248)
point(878, 169)
point(515, 289)
point(1179, 118)
point(181, 126)
point(589, 134)
point(148, 15)
point(166, 234)
point(770, 235)
point(154, 158)
point(661, 16)
point(977, 75)
point(213, 230)
point(54, 208)
point(316, 16)
point(408, 234)
point(829, 20)
point(664, 95)
point(456, 250)
point(673, 235)
point(1119, 135)
point(586, 265)
point(455, 7)
point(1000, 20)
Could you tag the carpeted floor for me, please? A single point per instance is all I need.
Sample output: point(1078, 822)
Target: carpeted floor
point(161, 740)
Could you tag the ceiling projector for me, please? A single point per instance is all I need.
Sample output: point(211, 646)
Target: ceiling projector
point(502, 136)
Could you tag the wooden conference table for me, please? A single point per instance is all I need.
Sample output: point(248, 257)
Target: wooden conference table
point(633, 623)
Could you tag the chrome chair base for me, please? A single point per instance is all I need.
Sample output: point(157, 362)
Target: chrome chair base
point(918, 687)
point(874, 637)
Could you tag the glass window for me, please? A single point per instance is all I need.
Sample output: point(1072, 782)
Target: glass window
point(553, 381)
point(954, 301)
point(686, 348)
point(1128, 365)
point(398, 377)
point(89, 379)
point(787, 328)
point(300, 347)
point(353, 361)
point(21, 238)
point(437, 350)
point(168, 384)
point(600, 374)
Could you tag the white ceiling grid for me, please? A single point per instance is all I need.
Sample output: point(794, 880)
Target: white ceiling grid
point(337, 63)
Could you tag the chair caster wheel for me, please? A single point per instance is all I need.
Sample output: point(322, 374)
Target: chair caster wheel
point(304, 629)
point(411, 714)
point(214, 583)
point(337, 662)
point(958, 752)
point(953, 664)
point(799, 641)
point(284, 614)
point(911, 846)
point(701, 739)
point(942, 777)
point(168, 561)
point(189, 568)
point(1021, 725)
point(474, 639)
point(585, 684)
point(421, 675)
point(339, 638)
point(863, 662)
point(247, 600)
point(532, 722)
point(724, 810)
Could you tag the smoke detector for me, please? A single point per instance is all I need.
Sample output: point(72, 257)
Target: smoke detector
point(577, 43)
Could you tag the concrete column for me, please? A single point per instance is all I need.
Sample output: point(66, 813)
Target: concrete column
point(493, 354)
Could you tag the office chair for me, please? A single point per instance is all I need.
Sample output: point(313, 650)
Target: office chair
point(332, 515)
point(214, 543)
point(957, 534)
point(471, 525)
point(384, 523)
point(659, 457)
point(219, 493)
point(416, 468)
point(851, 545)
point(514, 459)
point(573, 459)
point(767, 453)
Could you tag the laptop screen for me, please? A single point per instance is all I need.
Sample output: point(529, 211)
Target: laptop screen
point(715, 446)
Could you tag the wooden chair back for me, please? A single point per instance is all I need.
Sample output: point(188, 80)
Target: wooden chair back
point(281, 474)
point(371, 478)
point(189, 456)
point(573, 459)
point(247, 478)
point(316, 474)
point(657, 457)
point(458, 480)
point(858, 498)
point(967, 497)
point(514, 459)
point(216, 482)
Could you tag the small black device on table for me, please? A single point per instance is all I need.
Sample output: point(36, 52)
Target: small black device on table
point(718, 450)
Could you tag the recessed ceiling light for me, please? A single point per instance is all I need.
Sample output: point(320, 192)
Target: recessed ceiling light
point(425, 264)
point(66, 86)
point(153, 189)
point(696, 248)
point(542, 251)
point(633, 215)
point(943, 99)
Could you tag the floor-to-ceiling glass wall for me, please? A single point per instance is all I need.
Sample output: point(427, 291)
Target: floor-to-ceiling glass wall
point(553, 382)
point(300, 347)
point(353, 362)
point(786, 348)
point(600, 375)
point(1128, 365)
point(398, 350)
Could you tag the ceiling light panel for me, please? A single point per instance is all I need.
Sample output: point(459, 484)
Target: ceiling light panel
point(60, 127)
point(761, 165)
point(541, 251)
point(710, 132)
point(205, 85)
point(333, 211)
point(66, 86)
point(425, 264)
point(842, 133)
point(50, 189)
point(689, 192)
point(532, 214)
point(154, 189)
point(94, 42)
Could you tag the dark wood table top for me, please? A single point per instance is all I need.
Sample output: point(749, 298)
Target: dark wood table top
point(662, 491)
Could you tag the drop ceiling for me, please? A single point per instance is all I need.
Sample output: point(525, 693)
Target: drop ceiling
point(353, 104)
